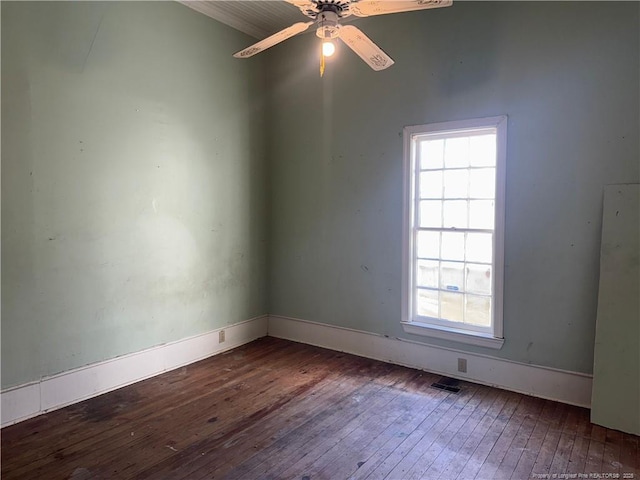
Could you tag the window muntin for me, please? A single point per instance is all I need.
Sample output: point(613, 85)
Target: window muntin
point(453, 225)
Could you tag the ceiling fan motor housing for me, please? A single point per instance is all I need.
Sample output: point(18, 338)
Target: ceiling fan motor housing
point(327, 25)
point(341, 7)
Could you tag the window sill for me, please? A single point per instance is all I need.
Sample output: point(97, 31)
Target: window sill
point(453, 334)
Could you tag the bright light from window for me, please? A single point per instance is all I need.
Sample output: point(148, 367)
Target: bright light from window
point(453, 260)
point(328, 49)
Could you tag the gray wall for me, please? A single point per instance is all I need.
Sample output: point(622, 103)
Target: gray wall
point(133, 181)
point(134, 185)
point(566, 75)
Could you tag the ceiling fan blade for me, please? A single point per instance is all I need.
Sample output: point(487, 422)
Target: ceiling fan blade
point(365, 48)
point(307, 7)
point(274, 39)
point(367, 8)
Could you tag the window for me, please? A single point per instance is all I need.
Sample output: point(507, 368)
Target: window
point(453, 230)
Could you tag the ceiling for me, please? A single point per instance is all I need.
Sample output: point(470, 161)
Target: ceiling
point(258, 18)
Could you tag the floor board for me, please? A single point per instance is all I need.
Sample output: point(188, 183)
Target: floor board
point(277, 409)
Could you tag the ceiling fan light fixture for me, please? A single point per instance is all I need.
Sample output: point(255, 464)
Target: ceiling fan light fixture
point(328, 26)
point(328, 49)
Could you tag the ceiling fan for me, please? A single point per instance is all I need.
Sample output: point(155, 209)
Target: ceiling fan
point(326, 14)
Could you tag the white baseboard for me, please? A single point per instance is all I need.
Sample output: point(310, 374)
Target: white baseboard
point(57, 391)
point(560, 385)
point(29, 400)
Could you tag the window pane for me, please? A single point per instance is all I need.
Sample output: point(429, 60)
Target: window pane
point(431, 154)
point(452, 276)
point(478, 310)
point(478, 279)
point(427, 303)
point(456, 183)
point(431, 213)
point(479, 247)
point(428, 244)
point(483, 183)
point(456, 152)
point(431, 184)
point(481, 213)
point(452, 246)
point(452, 306)
point(483, 151)
point(427, 274)
point(455, 213)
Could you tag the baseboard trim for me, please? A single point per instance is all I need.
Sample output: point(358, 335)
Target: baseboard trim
point(563, 386)
point(51, 393)
point(35, 398)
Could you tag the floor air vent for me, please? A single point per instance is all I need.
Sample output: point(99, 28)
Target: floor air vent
point(448, 384)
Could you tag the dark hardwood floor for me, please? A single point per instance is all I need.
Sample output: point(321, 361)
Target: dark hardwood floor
point(276, 409)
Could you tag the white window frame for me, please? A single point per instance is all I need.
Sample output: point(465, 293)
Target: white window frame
point(412, 134)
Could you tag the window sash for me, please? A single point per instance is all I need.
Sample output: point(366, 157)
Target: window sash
point(446, 323)
point(413, 137)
